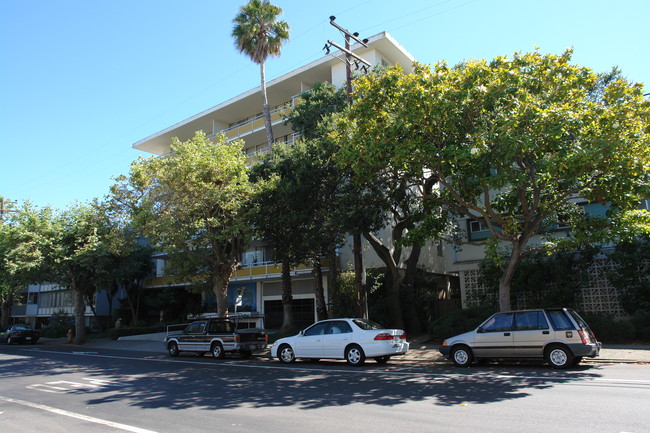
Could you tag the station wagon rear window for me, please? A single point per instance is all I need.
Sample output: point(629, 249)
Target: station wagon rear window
point(560, 320)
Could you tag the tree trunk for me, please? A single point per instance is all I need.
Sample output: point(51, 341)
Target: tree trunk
point(79, 319)
point(6, 309)
point(393, 283)
point(265, 107)
point(333, 281)
point(359, 277)
point(220, 288)
point(413, 318)
point(319, 292)
point(287, 298)
point(508, 274)
point(393, 280)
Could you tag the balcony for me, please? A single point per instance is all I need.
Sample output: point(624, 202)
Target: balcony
point(256, 271)
point(256, 123)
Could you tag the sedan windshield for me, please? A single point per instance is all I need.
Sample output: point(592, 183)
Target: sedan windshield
point(367, 325)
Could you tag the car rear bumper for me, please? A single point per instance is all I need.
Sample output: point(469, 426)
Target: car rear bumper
point(387, 349)
point(445, 350)
point(586, 350)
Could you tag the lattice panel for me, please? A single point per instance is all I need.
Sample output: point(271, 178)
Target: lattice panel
point(474, 293)
point(598, 296)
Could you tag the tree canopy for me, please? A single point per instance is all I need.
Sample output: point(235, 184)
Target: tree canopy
point(514, 143)
point(192, 204)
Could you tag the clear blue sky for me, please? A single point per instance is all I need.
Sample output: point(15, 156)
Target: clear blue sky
point(81, 81)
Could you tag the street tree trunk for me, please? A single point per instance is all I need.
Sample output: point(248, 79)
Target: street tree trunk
point(287, 298)
point(359, 277)
point(413, 319)
point(79, 316)
point(508, 274)
point(394, 277)
point(319, 292)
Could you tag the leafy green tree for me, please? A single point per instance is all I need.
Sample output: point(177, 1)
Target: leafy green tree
point(25, 241)
point(193, 205)
point(512, 143)
point(74, 257)
point(259, 34)
point(125, 258)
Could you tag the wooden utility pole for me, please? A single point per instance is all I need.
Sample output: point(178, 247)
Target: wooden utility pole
point(350, 58)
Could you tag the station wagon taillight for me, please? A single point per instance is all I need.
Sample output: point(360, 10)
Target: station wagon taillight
point(584, 337)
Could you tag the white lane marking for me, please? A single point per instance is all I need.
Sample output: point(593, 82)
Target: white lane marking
point(474, 375)
point(82, 417)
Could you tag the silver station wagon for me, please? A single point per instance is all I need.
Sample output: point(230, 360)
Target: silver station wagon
point(559, 336)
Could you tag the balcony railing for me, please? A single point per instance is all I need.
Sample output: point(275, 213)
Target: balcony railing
point(251, 271)
point(257, 123)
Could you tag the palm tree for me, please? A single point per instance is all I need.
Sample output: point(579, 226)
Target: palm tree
point(259, 34)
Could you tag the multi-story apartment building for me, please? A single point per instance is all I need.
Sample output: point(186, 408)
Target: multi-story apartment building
point(39, 302)
point(259, 278)
point(241, 118)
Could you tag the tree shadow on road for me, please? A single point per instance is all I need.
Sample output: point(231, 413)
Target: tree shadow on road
point(191, 382)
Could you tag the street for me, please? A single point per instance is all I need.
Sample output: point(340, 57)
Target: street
point(65, 389)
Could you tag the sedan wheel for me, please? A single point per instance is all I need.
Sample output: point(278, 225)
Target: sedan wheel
point(462, 356)
point(354, 355)
point(285, 354)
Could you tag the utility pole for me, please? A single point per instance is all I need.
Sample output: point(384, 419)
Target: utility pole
point(4, 209)
point(350, 58)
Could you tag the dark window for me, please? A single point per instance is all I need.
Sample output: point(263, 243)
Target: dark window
point(318, 329)
point(559, 320)
point(498, 323)
point(338, 327)
point(367, 325)
point(221, 327)
point(303, 313)
point(530, 320)
point(196, 328)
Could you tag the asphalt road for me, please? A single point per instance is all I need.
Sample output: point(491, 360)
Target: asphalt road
point(68, 389)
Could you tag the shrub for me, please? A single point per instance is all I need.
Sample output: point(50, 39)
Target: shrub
point(458, 322)
point(641, 321)
point(609, 330)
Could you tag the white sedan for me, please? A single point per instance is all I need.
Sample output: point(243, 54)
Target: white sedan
point(351, 339)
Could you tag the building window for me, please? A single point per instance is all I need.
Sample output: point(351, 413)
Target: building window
point(477, 230)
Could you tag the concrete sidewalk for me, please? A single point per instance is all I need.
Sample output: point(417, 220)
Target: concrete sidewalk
point(422, 350)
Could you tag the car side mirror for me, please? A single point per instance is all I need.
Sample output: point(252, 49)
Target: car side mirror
point(480, 330)
point(302, 333)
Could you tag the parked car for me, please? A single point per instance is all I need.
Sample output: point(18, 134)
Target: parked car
point(217, 336)
point(351, 339)
point(558, 335)
point(20, 334)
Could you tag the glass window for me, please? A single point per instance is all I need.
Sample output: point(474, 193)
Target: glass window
point(318, 329)
point(560, 320)
point(196, 328)
point(367, 325)
point(530, 320)
point(498, 323)
point(338, 327)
